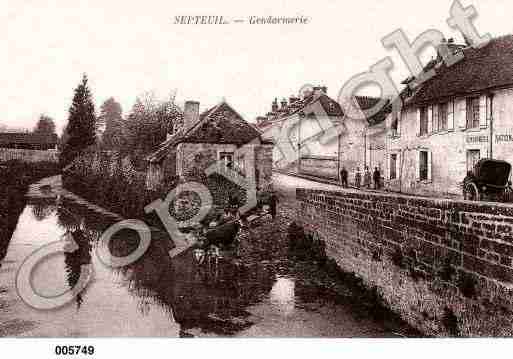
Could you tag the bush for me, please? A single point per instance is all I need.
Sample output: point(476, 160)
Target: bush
point(113, 183)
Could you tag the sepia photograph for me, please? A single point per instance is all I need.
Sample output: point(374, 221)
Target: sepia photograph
point(268, 169)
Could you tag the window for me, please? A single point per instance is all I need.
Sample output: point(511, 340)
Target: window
point(473, 112)
point(393, 166)
point(226, 158)
point(395, 125)
point(423, 165)
point(442, 116)
point(435, 125)
point(240, 164)
point(472, 157)
point(423, 121)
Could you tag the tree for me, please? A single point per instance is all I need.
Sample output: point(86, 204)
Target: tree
point(111, 117)
point(81, 127)
point(147, 125)
point(45, 125)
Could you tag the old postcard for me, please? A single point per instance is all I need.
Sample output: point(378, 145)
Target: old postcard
point(313, 169)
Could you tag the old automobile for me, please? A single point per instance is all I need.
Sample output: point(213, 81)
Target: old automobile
point(488, 181)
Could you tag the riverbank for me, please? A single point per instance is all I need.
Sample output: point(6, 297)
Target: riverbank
point(265, 292)
point(15, 178)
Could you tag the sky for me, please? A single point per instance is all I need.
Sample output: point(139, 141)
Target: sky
point(127, 48)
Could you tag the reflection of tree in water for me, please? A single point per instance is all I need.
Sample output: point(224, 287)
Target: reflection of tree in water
point(70, 215)
point(194, 296)
point(74, 260)
point(82, 255)
point(11, 206)
point(67, 219)
point(42, 210)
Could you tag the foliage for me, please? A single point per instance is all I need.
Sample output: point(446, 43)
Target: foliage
point(111, 119)
point(81, 127)
point(107, 179)
point(45, 125)
point(147, 126)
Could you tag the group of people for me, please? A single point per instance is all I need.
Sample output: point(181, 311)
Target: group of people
point(367, 178)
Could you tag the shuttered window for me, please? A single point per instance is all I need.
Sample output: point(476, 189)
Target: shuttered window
point(423, 165)
point(424, 121)
point(442, 117)
point(393, 166)
point(436, 124)
point(473, 110)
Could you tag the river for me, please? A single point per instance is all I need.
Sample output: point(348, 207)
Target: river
point(264, 293)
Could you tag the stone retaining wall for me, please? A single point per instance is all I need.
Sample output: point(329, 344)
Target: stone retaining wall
point(320, 166)
point(445, 266)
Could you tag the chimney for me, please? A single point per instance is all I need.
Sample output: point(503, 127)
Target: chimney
point(190, 114)
point(318, 90)
point(447, 47)
point(308, 92)
point(274, 106)
point(283, 104)
point(261, 119)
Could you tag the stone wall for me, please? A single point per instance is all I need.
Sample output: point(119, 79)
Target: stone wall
point(445, 266)
point(321, 166)
point(264, 165)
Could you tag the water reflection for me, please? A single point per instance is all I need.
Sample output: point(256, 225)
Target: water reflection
point(160, 296)
point(283, 296)
point(197, 298)
point(42, 210)
point(188, 294)
point(74, 261)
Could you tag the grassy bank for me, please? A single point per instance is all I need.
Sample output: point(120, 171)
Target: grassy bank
point(15, 177)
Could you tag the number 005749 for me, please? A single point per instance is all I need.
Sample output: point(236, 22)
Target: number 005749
point(74, 349)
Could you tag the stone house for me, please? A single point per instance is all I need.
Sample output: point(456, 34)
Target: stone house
point(460, 115)
point(305, 118)
point(217, 134)
point(362, 143)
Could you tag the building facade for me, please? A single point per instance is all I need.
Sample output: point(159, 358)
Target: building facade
point(462, 114)
point(359, 140)
point(297, 127)
point(28, 147)
point(362, 143)
point(218, 135)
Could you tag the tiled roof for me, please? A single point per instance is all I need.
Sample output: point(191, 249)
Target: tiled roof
point(28, 138)
point(329, 105)
point(220, 124)
point(489, 67)
point(366, 103)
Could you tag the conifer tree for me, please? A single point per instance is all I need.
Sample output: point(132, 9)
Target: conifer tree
point(81, 127)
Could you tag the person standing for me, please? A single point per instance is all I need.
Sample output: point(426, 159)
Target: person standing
point(273, 204)
point(377, 178)
point(343, 177)
point(367, 178)
point(358, 178)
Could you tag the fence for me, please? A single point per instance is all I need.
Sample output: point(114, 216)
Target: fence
point(10, 154)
